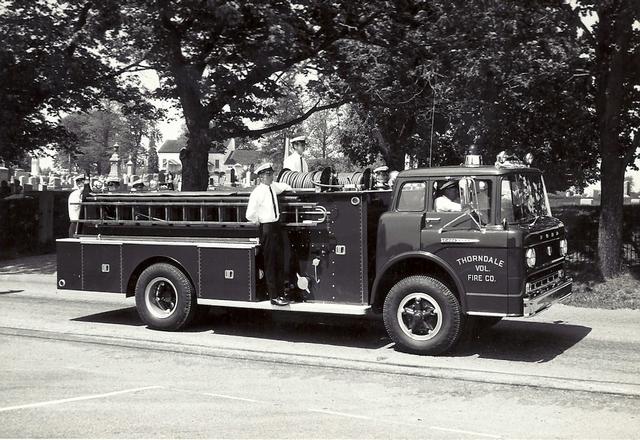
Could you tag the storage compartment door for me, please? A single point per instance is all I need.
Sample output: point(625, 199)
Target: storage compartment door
point(101, 267)
point(227, 273)
point(69, 263)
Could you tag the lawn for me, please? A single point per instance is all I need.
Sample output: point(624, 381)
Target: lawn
point(590, 290)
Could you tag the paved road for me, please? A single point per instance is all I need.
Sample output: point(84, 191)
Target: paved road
point(77, 364)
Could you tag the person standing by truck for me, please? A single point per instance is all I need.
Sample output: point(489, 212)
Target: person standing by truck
point(263, 209)
point(295, 161)
point(75, 198)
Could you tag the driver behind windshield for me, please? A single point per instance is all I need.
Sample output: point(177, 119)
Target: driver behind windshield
point(448, 198)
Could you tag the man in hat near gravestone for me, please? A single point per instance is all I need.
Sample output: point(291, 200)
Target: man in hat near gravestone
point(138, 186)
point(295, 161)
point(263, 209)
point(75, 198)
point(448, 197)
point(113, 184)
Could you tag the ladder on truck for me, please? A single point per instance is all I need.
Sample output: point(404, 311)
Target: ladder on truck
point(190, 209)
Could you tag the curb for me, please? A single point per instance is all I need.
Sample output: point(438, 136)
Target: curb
point(468, 375)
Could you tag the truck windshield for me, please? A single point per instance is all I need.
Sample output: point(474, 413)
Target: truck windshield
point(524, 197)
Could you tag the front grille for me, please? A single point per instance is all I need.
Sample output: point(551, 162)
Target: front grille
point(540, 284)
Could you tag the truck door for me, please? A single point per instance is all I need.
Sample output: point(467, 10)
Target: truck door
point(475, 250)
point(399, 228)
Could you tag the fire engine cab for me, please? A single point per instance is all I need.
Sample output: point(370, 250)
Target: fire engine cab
point(427, 265)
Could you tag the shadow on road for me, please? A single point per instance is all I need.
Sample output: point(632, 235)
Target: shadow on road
point(4, 292)
point(345, 331)
point(39, 264)
point(522, 341)
point(126, 316)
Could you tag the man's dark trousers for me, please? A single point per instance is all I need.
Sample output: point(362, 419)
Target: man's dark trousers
point(273, 254)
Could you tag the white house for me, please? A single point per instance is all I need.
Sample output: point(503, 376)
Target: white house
point(169, 156)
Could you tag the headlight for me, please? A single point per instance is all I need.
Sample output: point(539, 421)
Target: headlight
point(563, 247)
point(531, 257)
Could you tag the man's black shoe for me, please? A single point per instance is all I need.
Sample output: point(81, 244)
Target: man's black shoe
point(279, 301)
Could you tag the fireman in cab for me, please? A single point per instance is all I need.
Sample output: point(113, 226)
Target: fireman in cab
point(263, 210)
point(295, 161)
point(448, 197)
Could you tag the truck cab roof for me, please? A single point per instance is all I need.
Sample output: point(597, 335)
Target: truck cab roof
point(457, 170)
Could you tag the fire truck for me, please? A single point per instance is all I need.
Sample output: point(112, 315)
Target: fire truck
point(352, 249)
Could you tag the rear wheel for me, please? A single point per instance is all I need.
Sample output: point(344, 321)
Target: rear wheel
point(165, 297)
point(422, 316)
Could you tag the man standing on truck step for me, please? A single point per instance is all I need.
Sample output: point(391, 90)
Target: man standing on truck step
point(447, 196)
point(295, 161)
point(75, 198)
point(263, 209)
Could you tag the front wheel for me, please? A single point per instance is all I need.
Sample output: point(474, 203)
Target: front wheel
point(422, 316)
point(165, 297)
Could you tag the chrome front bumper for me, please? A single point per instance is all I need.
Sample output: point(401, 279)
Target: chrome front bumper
point(533, 306)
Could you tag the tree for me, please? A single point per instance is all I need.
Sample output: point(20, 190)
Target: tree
point(222, 60)
point(323, 129)
point(95, 133)
point(55, 57)
point(492, 74)
point(613, 50)
point(152, 158)
point(287, 107)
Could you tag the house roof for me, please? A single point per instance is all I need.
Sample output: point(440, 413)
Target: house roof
point(174, 145)
point(171, 146)
point(244, 157)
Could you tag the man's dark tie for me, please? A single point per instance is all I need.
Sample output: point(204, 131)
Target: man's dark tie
point(273, 201)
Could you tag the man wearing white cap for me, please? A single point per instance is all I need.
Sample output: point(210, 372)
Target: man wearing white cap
point(447, 196)
point(382, 177)
point(75, 198)
point(137, 185)
point(263, 209)
point(295, 161)
point(113, 184)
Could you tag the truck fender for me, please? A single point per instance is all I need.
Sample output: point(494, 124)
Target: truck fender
point(376, 291)
point(143, 264)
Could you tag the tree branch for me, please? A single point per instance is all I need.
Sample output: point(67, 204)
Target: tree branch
point(77, 29)
point(290, 123)
point(575, 13)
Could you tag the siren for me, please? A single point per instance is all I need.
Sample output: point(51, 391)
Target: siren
point(472, 158)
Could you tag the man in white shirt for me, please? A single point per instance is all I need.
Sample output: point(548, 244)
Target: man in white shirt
point(449, 193)
point(263, 209)
point(295, 161)
point(75, 198)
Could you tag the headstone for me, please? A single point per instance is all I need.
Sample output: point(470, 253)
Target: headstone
point(115, 163)
point(4, 174)
point(35, 166)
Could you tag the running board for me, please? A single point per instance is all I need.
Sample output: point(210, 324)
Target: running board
point(310, 307)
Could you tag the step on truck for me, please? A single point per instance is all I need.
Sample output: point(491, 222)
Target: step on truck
point(351, 250)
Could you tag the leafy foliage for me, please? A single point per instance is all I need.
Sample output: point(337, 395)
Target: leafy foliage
point(55, 57)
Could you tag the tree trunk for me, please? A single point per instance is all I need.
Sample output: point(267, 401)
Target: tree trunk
point(613, 43)
point(610, 227)
point(195, 160)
